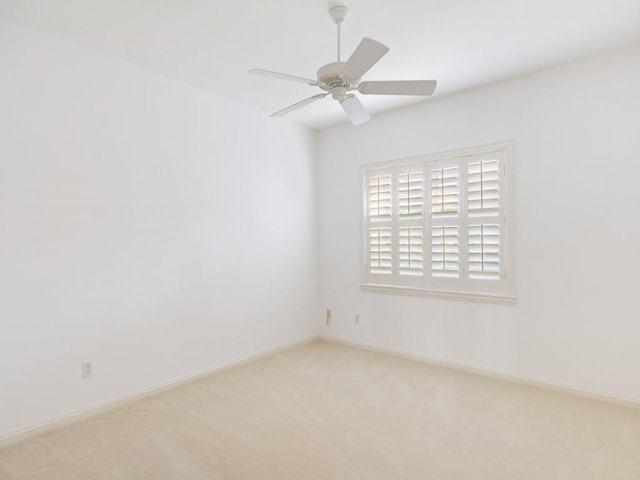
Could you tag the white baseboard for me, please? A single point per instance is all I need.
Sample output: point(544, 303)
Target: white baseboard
point(96, 409)
point(547, 385)
point(16, 436)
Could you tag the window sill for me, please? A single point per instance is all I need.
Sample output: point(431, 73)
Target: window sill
point(417, 292)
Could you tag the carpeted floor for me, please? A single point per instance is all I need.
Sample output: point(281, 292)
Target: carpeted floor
point(328, 412)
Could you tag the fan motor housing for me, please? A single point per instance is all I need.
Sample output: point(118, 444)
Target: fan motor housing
point(331, 75)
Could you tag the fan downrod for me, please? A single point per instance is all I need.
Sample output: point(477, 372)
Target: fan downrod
point(329, 75)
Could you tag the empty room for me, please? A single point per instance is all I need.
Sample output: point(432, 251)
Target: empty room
point(313, 239)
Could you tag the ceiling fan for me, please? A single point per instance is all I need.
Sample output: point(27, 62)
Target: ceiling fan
point(339, 78)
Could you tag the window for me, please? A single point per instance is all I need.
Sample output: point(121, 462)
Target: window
point(440, 225)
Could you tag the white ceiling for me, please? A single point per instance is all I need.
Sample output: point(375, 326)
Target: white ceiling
point(212, 43)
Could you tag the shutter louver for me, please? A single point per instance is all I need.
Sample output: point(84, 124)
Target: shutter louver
point(445, 251)
point(379, 198)
point(380, 250)
point(410, 196)
point(484, 252)
point(445, 199)
point(410, 256)
point(483, 188)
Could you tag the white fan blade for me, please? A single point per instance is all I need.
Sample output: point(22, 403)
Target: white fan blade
point(398, 87)
point(284, 76)
point(354, 110)
point(296, 106)
point(365, 56)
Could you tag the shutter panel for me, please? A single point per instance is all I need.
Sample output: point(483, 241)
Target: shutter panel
point(410, 230)
point(483, 197)
point(410, 248)
point(445, 251)
point(379, 198)
point(380, 250)
point(445, 231)
point(483, 187)
point(410, 194)
point(445, 199)
point(484, 252)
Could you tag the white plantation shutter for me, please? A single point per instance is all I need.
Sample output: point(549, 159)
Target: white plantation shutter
point(410, 196)
point(410, 256)
point(483, 184)
point(380, 198)
point(379, 225)
point(395, 230)
point(445, 219)
point(380, 249)
point(445, 251)
point(410, 202)
point(483, 200)
point(484, 251)
point(445, 198)
point(438, 225)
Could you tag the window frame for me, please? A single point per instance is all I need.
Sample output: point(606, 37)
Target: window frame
point(463, 287)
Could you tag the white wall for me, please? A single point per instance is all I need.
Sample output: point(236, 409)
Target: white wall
point(145, 225)
point(576, 131)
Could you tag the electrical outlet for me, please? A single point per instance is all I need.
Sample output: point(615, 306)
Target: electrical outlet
point(328, 316)
point(87, 369)
point(357, 319)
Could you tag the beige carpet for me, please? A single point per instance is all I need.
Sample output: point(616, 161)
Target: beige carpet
point(329, 412)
